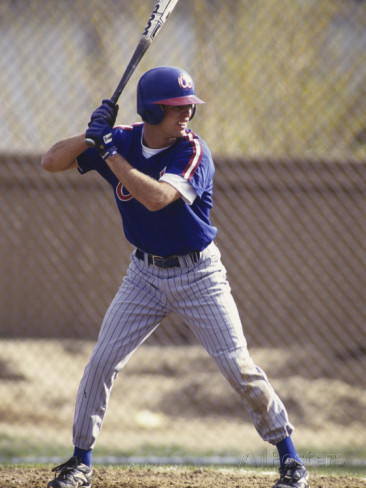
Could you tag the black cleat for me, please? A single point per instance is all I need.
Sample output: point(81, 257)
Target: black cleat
point(73, 474)
point(292, 475)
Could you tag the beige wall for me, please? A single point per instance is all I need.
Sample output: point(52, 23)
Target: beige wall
point(292, 235)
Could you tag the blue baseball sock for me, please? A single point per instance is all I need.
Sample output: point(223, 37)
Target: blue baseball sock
point(84, 455)
point(286, 450)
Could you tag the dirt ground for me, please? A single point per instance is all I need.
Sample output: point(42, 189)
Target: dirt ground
point(170, 477)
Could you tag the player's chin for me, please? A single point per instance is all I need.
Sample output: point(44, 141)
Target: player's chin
point(182, 131)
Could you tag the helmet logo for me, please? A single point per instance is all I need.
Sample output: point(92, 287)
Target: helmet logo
point(185, 81)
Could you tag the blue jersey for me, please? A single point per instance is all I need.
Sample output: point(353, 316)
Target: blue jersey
point(178, 228)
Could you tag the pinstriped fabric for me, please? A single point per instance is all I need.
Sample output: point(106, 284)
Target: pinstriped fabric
point(203, 298)
point(134, 313)
point(201, 295)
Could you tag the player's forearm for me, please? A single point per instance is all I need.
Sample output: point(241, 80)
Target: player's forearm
point(62, 155)
point(153, 194)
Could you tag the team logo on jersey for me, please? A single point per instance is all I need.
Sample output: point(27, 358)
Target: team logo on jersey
point(122, 193)
point(185, 81)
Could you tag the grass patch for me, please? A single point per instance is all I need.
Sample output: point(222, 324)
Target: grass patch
point(166, 450)
point(13, 448)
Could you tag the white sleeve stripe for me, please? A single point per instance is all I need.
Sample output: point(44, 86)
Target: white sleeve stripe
point(195, 160)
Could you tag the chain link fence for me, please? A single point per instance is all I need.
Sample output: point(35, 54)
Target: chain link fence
point(285, 119)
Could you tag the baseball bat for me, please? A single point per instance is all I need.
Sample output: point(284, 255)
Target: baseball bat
point(158, 16)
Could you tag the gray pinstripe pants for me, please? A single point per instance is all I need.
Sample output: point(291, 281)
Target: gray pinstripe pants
point(200, 294)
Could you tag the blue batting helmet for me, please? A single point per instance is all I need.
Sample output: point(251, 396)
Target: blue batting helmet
point(165, 85)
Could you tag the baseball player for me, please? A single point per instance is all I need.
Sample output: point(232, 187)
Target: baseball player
point(161, 174)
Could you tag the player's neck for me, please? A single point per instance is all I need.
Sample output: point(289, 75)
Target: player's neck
point(155, 139)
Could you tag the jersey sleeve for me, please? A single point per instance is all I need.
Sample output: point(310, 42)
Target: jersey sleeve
point(183, 186)
point(88, 160)
point(192, 161)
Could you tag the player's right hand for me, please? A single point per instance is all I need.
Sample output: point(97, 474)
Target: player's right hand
point(107, 111)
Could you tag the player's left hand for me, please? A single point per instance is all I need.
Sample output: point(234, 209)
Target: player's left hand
point(107, 111)
point(101, 133)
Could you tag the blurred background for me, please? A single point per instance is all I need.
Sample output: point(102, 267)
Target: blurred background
point(285, 118)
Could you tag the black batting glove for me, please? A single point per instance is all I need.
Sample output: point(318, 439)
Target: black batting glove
point(107, 111)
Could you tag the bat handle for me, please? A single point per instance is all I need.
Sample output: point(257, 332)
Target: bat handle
point(89, 142)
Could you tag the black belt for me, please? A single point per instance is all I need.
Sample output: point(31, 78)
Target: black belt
point(167, 262)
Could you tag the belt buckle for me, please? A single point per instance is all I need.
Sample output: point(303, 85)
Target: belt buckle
point(154, 258)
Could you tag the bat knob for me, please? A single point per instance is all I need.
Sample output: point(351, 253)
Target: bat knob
point(89, 142)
